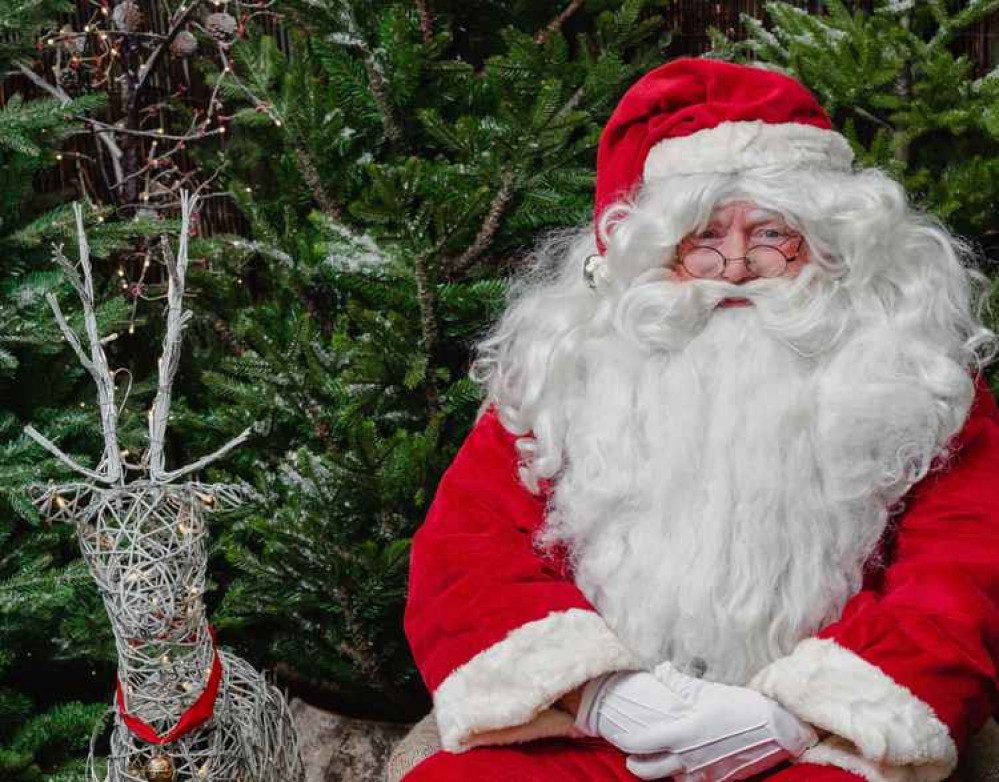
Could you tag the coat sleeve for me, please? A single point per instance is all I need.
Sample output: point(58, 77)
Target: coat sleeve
point(908, 672)
point(498, 632)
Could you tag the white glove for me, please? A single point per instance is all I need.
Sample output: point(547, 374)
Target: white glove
point(622, 707)
point(724, 733)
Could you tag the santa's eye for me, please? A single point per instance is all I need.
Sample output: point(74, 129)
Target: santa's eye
point(770, 234)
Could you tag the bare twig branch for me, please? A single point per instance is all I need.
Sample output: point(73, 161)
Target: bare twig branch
point(206, 460)
point(103, 127)
point(56, 92)
point(177, 319)
point(110, 469)
point(64, 100)
point(147, 68)
point(68, 332)
point(98, 367)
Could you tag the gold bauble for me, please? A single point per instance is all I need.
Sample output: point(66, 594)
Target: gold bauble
point(160, 769)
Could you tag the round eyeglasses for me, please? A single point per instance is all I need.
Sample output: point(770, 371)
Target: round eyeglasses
point(763, 260)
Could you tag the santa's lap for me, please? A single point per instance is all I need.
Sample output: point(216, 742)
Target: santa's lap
point(584, 760)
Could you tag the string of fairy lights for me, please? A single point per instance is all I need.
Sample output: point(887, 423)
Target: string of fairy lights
point(132, 50)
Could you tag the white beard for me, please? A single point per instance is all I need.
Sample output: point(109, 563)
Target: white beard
point(720, 498)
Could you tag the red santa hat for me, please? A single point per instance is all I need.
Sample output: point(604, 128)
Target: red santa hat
point(699, 116)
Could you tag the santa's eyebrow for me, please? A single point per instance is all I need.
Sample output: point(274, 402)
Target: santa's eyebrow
point(765, 216)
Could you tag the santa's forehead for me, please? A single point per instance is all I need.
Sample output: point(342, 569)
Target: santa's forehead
point(728, 209)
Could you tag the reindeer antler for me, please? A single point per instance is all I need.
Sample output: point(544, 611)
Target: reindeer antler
point(177, 319)
point(110, 469)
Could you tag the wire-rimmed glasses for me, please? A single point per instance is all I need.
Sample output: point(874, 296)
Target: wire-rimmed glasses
point(763, 260)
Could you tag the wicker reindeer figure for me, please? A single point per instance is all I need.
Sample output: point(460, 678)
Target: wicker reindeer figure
point(184, 710)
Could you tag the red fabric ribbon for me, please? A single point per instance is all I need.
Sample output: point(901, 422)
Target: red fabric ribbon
point(196, 714)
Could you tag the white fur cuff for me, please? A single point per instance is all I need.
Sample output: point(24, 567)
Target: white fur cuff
point(503, 694)
point(837, 751)
point(738, 146)
point(882, 731)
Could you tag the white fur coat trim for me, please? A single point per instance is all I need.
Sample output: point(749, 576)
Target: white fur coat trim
point(837, 751)
point(888, 727)
point(504, 694)
point(739, 146)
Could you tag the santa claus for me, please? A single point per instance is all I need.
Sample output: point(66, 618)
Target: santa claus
point(729, 509)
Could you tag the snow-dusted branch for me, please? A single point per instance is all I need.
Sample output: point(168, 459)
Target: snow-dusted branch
point(351, 38)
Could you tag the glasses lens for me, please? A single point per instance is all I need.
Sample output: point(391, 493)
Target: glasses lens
point(704, 262)
point(766, 261)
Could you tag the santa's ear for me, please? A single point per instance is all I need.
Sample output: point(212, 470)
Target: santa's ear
point(67, 502)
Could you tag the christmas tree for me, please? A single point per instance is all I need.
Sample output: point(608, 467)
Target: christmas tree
point(382, 168)
point(417, 158)
point(47, 635)
point(56, 655)
point(891, 75)
point(391, 164)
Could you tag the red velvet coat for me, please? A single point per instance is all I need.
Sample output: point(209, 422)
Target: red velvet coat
point(900, 681)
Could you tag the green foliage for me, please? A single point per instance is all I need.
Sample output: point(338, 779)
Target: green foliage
point(892, 80)
point(406, 175)
point(21, 21)
point(391, 181)
point(53, 636)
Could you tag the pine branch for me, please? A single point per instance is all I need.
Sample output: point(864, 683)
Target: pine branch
point(307, 168)
point(488, 229)
point(426, 21)
point(352, 39)
point(556, 24)
point(428, 304)
point(380, 92)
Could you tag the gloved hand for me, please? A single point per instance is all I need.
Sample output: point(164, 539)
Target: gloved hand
point(725, 733)
point(621, 707)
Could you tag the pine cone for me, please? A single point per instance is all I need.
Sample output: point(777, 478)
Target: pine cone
point(221, 26)
point(184, 45)
point(127, 16)
point(69, 80)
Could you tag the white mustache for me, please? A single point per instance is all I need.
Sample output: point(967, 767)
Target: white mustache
point(809, 313)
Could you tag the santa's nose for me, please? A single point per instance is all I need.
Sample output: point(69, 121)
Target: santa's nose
point(734, 249)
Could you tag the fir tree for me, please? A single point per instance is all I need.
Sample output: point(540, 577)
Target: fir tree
point(409, 172)
point(48, 635)
point(891, 79)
